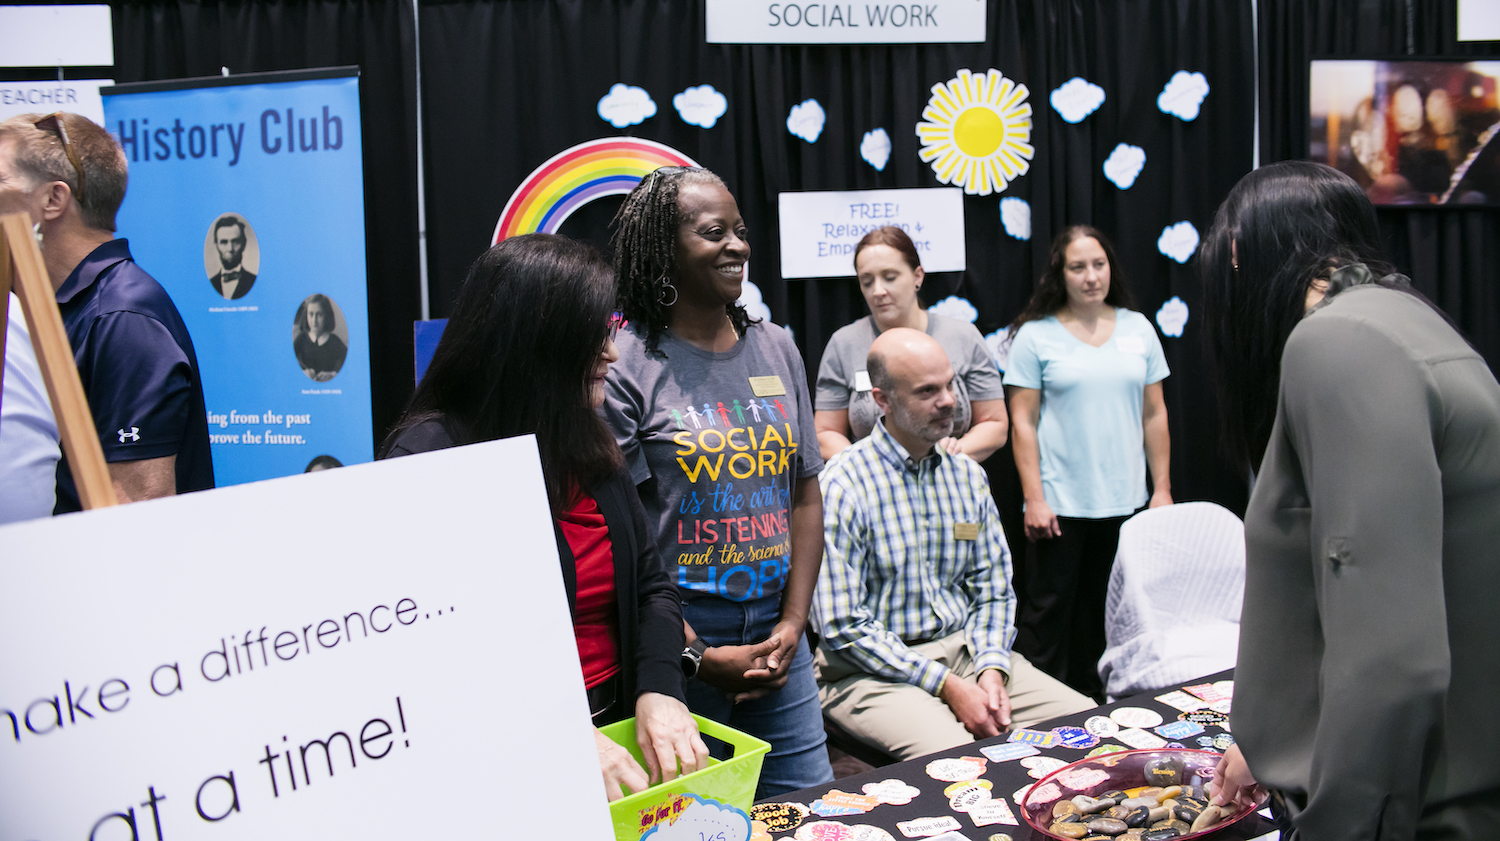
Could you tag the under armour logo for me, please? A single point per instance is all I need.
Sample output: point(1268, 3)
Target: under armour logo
point(134, 434)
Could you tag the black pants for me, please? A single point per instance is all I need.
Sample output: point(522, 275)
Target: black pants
point(1060, 628)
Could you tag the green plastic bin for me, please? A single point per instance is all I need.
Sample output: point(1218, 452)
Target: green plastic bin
point(731, 781)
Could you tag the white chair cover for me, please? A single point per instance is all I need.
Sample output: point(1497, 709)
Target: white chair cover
point(1173, 609)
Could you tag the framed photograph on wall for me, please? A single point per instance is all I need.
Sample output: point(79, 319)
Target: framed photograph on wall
point(1414, 132)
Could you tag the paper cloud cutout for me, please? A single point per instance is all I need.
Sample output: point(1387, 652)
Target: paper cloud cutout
point(701, 106)
point(1124, 164)
point(1076, 98)
point(875, 148)
point(1172, 317)
point(626, 105)
point(1015, 216)
point(1178, 241)
point(806, 120)
point(956, 308)
point(703, 818)
point(1183, 95)
point(999, 349)
point(751, 299)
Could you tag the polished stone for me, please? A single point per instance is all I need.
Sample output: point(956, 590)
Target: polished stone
point(1069, 830)
point(1107, 826)
point(1164, 770)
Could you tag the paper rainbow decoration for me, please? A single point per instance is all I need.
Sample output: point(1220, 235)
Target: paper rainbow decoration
point(609, 166)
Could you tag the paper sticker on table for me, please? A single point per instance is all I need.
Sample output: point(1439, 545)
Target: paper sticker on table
point(703, 818)
point(1177, 699)
point(780, 817)
point(1207, 718)
point(1040, 738)
point(1141, 739)
point(1179, 729)
point(949, 836)
point(955, 769)
point(1223, 741)
point(1075, 737)
point(1222, 706)
point(860, 803)
point(1105, 750)
point(1041, 766)
point(830, 831)
point(1207, 691)
point(992, 812)
point(1082, 779)
point(1009, 751)
point(1102, 726)
point(1136, 717)
point(1044, 794)
point(893, 792)
point(928, 827)
point(759, 831)
point(966, 795)
point(828, 810)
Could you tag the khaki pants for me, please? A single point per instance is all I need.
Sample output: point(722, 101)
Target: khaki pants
point(906, 721)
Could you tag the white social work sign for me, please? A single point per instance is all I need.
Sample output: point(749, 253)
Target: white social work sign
point(820, 230)
point(759, 22)
point(345, 654)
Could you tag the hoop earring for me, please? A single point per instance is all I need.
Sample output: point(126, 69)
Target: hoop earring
point(666, 286)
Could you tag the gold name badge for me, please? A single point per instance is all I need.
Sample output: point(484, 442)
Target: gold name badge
point(767, 386)
point(965, 531)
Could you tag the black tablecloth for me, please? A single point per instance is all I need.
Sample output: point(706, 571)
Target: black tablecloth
point(1007, 778)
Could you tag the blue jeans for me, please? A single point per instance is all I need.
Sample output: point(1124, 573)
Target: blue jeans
point(791, 718)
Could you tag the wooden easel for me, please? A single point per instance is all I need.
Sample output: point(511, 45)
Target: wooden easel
point(22, 259)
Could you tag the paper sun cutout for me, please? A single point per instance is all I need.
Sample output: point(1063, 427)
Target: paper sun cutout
point(976, 132)
point(1172, 317)
point(626, 105)
point(1015, 216)
point(701, 106)
point(1178, 241)
point(956, 308)
point(1183, 95)
point(1124, 164)
point(875, 148)
point(1076, 98)
point(806, 120)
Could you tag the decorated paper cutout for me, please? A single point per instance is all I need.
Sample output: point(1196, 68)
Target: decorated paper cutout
point(609, 166)
point(927, 827)
point(1183, 95)
point(1136, 717)
point(956, 308)
point(1104, 750)
point(1102, 726)
point(806, 120)
point(992, 812)
point(779, 817)
point(831, 831)
point(759, 831)
point(1040, 738)
point(1140, 739)
point(1207, 691)
point(700, 106)
point(875, 148)
point(1076, 98)
point(999, 351)
point(965, 796)
point(1041, 766)
point(1082, 779)
point(861, 802)
point(954, 769)
point(976, 132)
point(1008, 751)
point(1179, 700)
point(1124, 165)
point(1172, 318)
point(751, 298)
point(626, 105)
point(1015, 217)
point(703, 818)
point(893, 792)
point(1178, 241)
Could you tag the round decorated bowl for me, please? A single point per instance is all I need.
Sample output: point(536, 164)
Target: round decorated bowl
point(1123, 771)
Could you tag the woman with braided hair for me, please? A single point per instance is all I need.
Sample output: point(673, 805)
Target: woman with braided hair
point(712, 412)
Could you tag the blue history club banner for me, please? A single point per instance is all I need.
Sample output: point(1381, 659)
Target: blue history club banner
point(246, 201)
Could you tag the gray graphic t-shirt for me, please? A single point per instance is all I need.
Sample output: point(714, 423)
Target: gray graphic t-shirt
point(715, 443)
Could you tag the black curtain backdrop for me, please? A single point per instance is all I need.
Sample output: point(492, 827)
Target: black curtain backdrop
point(1452, 254)
point(517, 82)
point(174, 40)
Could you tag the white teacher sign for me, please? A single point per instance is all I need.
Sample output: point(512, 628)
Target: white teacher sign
point(77, 96)
point(381, 651)
point(820, 230)
point(759, 22)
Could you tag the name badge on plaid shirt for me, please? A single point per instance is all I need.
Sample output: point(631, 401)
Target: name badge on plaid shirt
point(965, 531)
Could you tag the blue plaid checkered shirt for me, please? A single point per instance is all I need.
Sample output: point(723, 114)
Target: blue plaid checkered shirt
point(895, 573)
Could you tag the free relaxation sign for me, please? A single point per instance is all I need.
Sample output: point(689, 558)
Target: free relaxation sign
point(361, 661)
point(932, 22)
point(819, 230)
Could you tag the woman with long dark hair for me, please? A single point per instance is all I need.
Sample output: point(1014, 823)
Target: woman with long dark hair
point(1087, 418)
point(1369, 647)
point(890, 278)
point(525, 351)
point(712, 411)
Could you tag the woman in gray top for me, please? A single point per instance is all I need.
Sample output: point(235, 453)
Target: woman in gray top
point(890, 275)
point(1369, 644)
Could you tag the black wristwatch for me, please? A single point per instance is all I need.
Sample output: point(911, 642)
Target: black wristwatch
point(692, 657)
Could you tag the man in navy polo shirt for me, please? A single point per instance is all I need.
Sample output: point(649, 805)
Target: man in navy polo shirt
point(133, 352)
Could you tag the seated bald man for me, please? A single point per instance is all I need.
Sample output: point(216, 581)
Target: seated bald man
point(914, 602)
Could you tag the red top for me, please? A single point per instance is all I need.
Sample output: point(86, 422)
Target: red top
point(596, 617)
